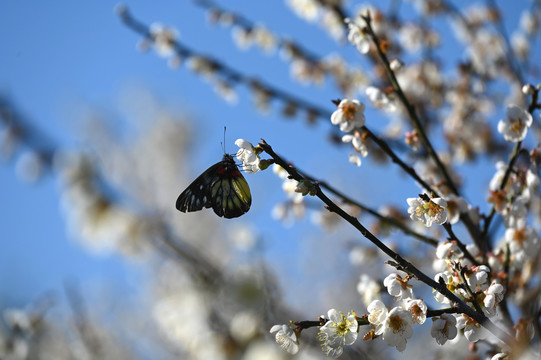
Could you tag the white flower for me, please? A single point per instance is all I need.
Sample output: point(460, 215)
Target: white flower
point(413, 140)
point(411, 36)
point(398, 287)
point(226, 91)
point(396, 65)
point(289, 186)
point(520, 45)
point(377, 313)
point(455, 206)
point(247, 154)
point(286, 338)
point(368, 288)
point(349, 115)
point(528, 89)
point(478, 279)
point(523, 242)
point(306, 9)
point(333, 23)
point(448, 250)
point(202, 66)
point(340, 330)
point(357, 142)
point(264, 38)
point(357, 37)
point(397, 328)
point(532, 184)
point(379, 99)
point(280, 171)
point(242, 37)
point(355, 159)
point(514, 216)
point(494, 295)
point(529, 22)
point(164, 39)
point(428, 212)
point(515, 126)
point(472, 330)
point(443, 328)
point(447, 278)
point(418, 310)
point(495, 182)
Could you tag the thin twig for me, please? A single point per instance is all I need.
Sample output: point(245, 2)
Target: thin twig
point(452, 237)
point(409, 107)
point(407, 266)
point(470, 226)
point(229, 72)
point(387, 219)
point(514, 155)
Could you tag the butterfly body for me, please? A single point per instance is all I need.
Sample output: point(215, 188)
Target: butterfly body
point(221, 187)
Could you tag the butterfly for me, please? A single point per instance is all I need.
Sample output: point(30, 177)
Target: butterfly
point(221, 187)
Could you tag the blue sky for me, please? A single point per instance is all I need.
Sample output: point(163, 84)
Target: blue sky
point(58, 54)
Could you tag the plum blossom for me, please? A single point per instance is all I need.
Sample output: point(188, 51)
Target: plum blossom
point(340, 330)
point(368, 288)
point(349, 115)
point(286, 338)
point(449, 250)
point(398, 287)
point(356, 140)
point(515, 126)
point(456, 205)
point(523, 242)
point(248, 155)
point(356, 36)
point(413, 140)
point(418, 310)
point(478, 278)
point(164, 39)
point(306, 9)
point(379, 99)
point(493, 296)
point(377, 313)
point(355, 159)
point(443, 328)
point(428, 212)
point(473, 331)
point(397, 329)
point(452, 284)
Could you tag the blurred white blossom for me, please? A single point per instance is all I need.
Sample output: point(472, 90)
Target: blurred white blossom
point(515, 126)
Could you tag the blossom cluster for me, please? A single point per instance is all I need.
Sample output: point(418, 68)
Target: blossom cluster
point(349, 116)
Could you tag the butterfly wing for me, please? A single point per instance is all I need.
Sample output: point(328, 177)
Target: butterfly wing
point(221, 187)
point(197, 195)
point(231, 195)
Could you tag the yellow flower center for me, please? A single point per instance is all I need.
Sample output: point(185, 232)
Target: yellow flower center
point(349, 111)
point(395, 322)
point(520, 236)
point(416, 311)
point(432, 208)
point(516, 126)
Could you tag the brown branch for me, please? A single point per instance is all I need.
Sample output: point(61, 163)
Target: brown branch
point(389, 220)
point(404, 264)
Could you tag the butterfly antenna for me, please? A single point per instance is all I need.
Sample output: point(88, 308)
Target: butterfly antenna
point(223, 144)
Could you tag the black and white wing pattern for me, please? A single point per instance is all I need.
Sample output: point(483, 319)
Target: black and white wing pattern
point(221, 187)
